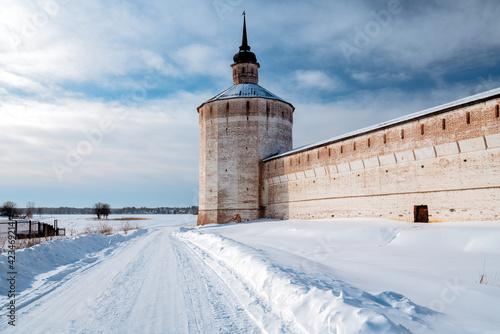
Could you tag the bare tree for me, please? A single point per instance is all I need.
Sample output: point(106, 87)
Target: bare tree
point(30, 209)
point(9, 209)
point(106, 210)
point(39, 211)
point(102, 210)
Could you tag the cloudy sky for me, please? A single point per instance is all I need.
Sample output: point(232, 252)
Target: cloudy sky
point(98, 98)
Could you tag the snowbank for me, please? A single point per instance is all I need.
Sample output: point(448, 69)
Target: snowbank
point(316, 302)
point(56, 258)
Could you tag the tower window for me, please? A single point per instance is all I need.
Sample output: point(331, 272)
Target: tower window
point(329, 152)
point(467, 117)
point(318, 154)
point(385, 138)
point(402, 133)
point(443, 123)
point(242, 70)
point(369, 142)
point(227, 106)
point(341, 149)
point(248, 104)
point(308, 157)
point(422, 130)
point(354, 146)
point(497, 112)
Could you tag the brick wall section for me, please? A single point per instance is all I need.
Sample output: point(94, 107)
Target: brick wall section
point(235, 136)
point(448, 160)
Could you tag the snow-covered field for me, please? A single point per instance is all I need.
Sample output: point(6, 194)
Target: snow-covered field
point(323, 276)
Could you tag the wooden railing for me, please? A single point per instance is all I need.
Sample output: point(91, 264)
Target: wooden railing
point(23, 229)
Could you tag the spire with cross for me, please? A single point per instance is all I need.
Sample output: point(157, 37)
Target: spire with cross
point(245, 55)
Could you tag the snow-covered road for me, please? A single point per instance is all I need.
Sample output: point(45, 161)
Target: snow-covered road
point(353, 276)
point(150, 284)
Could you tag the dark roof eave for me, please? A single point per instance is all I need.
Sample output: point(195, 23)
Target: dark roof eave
point(246, 97)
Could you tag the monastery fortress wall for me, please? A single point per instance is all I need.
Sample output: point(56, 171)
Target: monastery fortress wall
point(440, 164)
point(447, 159)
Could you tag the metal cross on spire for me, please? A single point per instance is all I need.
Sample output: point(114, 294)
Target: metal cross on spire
point(244, 43)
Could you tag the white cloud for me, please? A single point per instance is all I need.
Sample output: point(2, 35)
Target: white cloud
point(156, 62)
point(369, 77)
point(159, 140)
point(201, 59)
point(316, 80)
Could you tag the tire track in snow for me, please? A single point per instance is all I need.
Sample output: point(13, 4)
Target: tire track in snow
point(260, 310)
point(221, 310)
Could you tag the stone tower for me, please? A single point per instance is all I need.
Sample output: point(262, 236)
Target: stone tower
point(238, 129)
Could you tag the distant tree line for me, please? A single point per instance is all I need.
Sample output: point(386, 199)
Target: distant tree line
point(11, 210)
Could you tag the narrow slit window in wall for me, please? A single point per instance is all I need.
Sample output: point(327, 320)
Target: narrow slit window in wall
point(497, 112)
point(467, 117)
point(341, 149)
point(369, 142)
point(422, 130)
point(329, 152)
point(443, 123)
point(402, 134)
point(248, 104)
point(308, 157)
point(227, 106)
point(354, 146)
point(385, 138)
point(318, 154)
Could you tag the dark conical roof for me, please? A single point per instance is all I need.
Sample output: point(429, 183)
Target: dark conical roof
point(245, 55)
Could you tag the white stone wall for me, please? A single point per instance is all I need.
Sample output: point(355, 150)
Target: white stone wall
point(235, 136)
point(453, 169)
